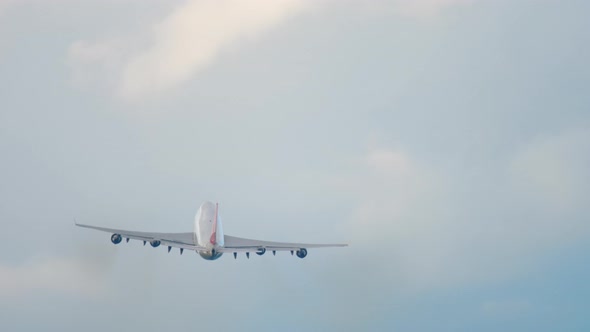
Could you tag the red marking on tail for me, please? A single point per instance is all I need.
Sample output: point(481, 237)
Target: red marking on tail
point(213, 238)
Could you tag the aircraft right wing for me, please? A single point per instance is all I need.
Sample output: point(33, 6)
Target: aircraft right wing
point(238, 244)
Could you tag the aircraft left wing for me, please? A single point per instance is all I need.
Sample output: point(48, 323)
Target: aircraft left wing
point(237, 244)
point(176, 240)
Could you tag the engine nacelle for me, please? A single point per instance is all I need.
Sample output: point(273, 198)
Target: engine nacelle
point(260, 251)
point(301, 253)
point(116, 238)
point(155, 243)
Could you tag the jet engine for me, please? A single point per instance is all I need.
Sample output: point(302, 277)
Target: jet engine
point(301, 253)
point(260, 251)
point(155, 243)
point(116, 238)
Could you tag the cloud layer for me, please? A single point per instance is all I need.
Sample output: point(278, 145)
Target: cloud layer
point(437, 235)
point(426, 8)
point(168, 53)
point(452, 155)
point(51, 275)
point(184, 42)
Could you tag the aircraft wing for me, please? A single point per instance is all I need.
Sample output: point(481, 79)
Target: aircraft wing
point(176, 240)
point(238, 244)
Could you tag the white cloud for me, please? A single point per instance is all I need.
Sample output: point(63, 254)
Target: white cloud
point(402, 206)
point(184, 43)
point(389, 161)
point(426, 8)
point(190, 38)
point(91, 60)
point(4, 4)
point(554, 170)
point(51, 275)
point(439, 228)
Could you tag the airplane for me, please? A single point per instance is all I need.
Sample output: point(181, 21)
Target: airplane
point(208, 239)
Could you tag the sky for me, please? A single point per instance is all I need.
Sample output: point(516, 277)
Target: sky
point(447, 141)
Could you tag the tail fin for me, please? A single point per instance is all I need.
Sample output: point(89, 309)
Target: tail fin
point(213, 238)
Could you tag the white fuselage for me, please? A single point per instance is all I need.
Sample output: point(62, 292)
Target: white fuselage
point(208, 232)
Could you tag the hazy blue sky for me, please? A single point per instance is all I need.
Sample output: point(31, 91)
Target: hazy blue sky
point(448, 141)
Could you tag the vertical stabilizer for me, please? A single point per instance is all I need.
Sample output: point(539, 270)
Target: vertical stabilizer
point(216, 231)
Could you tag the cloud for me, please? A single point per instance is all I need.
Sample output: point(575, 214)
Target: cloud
point(51, 274)
point(402, 206)
point(389, 162)
point(165, 54)
point(438, 228)
point(426, 8)
point(553, 170)
point(5, 4)
point(185, 42)
point(91, 60)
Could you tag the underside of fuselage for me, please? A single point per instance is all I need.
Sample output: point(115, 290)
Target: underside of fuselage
point(210, 255)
